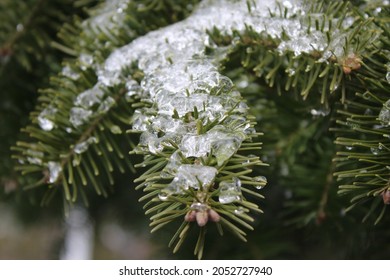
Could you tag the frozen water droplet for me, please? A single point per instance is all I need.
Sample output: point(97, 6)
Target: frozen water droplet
point(388, 77)
point(290, 71)
point(349, 148)
point(78, 116)
point(34, 157)
point(89, 97)
point(384, 115)
point(83, 146)
point(106, 105)
point(164, 195)
point(54, 170)
point(45, 123)
point(86, 61)
point(229, 191)
point(239, 211)
point(319, 112)
point(374, 150)
point(199, 206)
point(262, 180)
point(68, 72)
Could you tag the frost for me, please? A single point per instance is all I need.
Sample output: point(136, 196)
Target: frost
point(83, 146)
point(78, 116)
point(229, 191)
point(45, 123)
point(54, 170)
point(384, 114)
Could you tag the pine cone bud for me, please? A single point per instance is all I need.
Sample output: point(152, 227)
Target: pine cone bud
point(202, 218)
point(190, 216)
point(386, 197)
point(214, 216)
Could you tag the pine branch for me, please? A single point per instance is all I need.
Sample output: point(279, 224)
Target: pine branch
point(77, 130)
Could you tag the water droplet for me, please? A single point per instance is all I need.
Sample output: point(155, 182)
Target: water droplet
point(262, 180)
point(374, 150)
point(320, 112)
point(349, 148)
point(290, 71)
point(54, 170)
point(239, 211)
point(199, 206)
point(164, 195)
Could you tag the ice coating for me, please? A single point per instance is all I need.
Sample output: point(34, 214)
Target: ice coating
point(45, 123)
point(83, 146)
point(54, 170)
point(229, 191)
point(384, 114)
point(186, 91)
point(194, 176)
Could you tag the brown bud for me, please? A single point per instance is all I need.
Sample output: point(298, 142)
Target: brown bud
point(352, 62)
point(202, 218)
point(190, 216)
point(386, 197)
point(213, 216)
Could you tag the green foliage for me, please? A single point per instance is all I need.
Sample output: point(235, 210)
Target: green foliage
point(323, 112)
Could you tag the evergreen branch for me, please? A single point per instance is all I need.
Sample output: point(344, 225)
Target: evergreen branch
point(78, 136)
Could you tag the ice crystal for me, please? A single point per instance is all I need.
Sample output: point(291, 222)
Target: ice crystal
point(230, 191)
point(384, 114)
point(78, 116)
point(54, 170)
point(83, 146)
point(44, 122)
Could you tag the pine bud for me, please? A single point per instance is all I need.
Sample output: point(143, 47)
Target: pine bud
point(202, 218)
point(190, 216)
point(386, 197)
point(214, 216)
